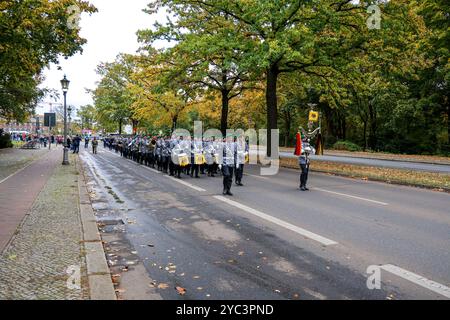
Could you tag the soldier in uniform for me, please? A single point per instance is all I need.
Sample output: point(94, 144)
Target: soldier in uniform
point(196, 148)
point(304, 165)
point(227, 164)
point(158, 154)
point(185, 144)
point(242, 150)
point(165, 154)
point(175, 151)
point(210, 157)
point(151, 152)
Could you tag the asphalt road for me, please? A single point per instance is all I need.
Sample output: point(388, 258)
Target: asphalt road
point(269, 241)
point(417, 166)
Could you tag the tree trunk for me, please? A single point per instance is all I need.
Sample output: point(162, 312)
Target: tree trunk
point(225, 107)
point(272, 108)
point(135, 124)
point(344, 128)
point(174, 123)
point(287, 128)
point(372, 140)
point(365, 135)
point(448, 123)
point(120, 127)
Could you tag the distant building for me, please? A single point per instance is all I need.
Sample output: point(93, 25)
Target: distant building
point(33, 125)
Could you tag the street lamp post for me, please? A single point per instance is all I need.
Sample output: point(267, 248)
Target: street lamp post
point(65, 87)
point(69, 110)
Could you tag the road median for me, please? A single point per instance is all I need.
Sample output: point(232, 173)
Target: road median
point(429, 180)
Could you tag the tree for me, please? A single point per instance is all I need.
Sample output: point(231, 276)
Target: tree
point(287, 36)
point(112, 97)
point(434, 81)
point(155, 99)
point(33, 33)
point(207, 53)
point(87, 115)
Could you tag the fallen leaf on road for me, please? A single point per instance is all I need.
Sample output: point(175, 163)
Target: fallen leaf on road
point(163, 286)
point(199, 288)
point(181, 291)
point(241, 253)
point(115, 278)
point(196, 277)
point(151, 245)
point(277, 291)
point(12, 257)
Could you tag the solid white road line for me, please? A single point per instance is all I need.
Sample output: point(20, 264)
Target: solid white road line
point(350, 196)
point(284, 224)
point(187, 184)
point(255, 176)
point(417, 279)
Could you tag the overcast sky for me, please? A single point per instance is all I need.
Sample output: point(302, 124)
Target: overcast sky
point(110, 31)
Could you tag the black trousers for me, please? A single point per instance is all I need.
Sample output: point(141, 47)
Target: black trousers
point(304, 175)
point(194, 169)
point(239, 173)
point(165, 163)
point(227, 172)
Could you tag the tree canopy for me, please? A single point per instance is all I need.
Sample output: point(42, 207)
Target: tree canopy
point(259, 63)
point(33, 33)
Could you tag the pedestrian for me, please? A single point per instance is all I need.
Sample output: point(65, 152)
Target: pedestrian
point(94, 145)
point(76, 144)
point(86, 142)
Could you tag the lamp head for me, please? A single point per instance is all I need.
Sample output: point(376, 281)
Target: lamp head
point(65, 84)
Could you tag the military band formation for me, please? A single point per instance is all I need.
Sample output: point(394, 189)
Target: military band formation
point(184, 156)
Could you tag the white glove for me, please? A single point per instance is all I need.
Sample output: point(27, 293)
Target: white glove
point(237, 165)
point(220, 167)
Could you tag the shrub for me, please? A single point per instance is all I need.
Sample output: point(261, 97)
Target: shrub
point(5, 141)
point(347, 146)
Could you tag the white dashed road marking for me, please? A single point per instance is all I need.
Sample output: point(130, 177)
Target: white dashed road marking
point(417, 279)
point(187, 184)
point(351, 196)
point(284, 224)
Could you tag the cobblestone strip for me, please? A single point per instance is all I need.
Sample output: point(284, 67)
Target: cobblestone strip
point(98, 272)
point(45, 260)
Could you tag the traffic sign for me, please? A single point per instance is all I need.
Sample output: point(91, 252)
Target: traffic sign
point(50, 120)
point(313, 116)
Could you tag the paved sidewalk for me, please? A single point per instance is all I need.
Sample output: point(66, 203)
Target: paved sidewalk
point(44, 200)
point(18, 193)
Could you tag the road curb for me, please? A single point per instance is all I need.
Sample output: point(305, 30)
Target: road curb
point(381, 158)
point(399, 183)
point(99, 275)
